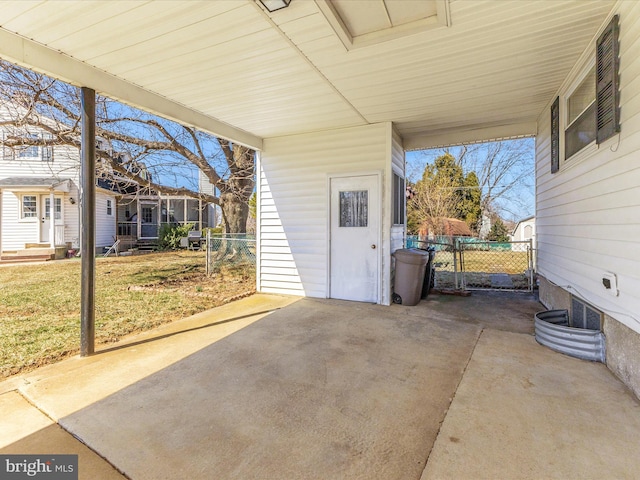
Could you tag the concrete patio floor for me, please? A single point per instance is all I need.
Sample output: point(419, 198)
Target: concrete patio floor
point(274, 387)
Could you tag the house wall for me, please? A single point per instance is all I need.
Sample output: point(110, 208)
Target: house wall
point(293, 203)
point(65, 164)
point(105, 224)
point(72, 216)
point(398, 166)
point(588, 213)
point(16, 232)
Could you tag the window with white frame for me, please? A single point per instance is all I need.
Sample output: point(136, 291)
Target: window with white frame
point(29, 206)
point(28, 151)
point(589, 112)
point(35, 152)
point(109, 208)
point(581, 115)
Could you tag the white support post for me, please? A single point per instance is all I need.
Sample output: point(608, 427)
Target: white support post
point(52, 220)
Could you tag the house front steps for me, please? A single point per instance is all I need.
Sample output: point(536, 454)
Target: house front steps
point(34, 253)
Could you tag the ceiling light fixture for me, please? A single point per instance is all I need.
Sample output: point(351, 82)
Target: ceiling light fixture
point(273, 5)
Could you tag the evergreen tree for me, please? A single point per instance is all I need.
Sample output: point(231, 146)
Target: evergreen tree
point(498, 232)
point(471, 209)
point(444, 192)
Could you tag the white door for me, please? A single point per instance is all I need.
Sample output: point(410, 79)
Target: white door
point(45, 218)
point(354, 236)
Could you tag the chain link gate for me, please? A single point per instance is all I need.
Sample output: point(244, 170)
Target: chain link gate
point(488, 265)
point(471, 264)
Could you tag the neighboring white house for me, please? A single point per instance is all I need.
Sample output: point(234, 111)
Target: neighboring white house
point(39, 198)
point(33, 178)
point(587, 190)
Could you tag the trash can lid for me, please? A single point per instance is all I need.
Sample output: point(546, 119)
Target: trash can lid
point(413, 256)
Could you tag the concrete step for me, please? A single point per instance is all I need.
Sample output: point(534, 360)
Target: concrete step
point(36, 245)
point(25, 258)
point(36, 251)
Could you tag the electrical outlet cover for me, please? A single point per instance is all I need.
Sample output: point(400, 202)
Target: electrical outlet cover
point(610, 283)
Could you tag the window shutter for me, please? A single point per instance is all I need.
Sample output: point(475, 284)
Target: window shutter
point(607, 83)
point(555, 135)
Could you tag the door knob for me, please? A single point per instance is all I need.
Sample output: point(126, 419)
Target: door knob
point(373, 247)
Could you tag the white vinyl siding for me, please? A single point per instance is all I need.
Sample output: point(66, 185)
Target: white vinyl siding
point(105, 223)
point(16, 233)
point(293, 202)
point(398, 167)
point(588, 214)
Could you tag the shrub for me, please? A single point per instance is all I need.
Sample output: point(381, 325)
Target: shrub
point(170, 235)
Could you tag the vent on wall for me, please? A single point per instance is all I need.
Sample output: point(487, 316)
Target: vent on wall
point(584, 315)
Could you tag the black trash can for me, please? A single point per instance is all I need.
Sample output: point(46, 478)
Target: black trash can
point(410, 273)
point(429, 273)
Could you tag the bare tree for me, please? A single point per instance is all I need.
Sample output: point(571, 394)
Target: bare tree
point(505, 173)
point(133, 144)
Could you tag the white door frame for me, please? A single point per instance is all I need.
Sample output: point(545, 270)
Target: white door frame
point(378, 174)
point(42, 211)
point(156, 204)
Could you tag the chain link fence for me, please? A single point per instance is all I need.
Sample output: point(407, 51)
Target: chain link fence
point(463, 263)
point(496, 265)
point(229, 249)
point(445, 260)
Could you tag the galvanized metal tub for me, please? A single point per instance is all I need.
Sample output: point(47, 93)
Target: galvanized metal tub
point(552, 330)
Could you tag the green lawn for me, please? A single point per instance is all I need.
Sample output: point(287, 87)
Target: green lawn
point(40, 304)
point(488, 261)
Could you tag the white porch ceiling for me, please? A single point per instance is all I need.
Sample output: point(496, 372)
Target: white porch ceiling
point(235, 70)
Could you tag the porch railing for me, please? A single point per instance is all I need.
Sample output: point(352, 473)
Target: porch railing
point(127, 229)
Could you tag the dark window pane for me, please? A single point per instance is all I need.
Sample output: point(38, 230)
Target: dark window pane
point(398, 200)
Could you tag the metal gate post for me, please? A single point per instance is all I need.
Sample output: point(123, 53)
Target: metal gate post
point(530, 260)
point(463, 280)
point(208, 254)
point(455, 263)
